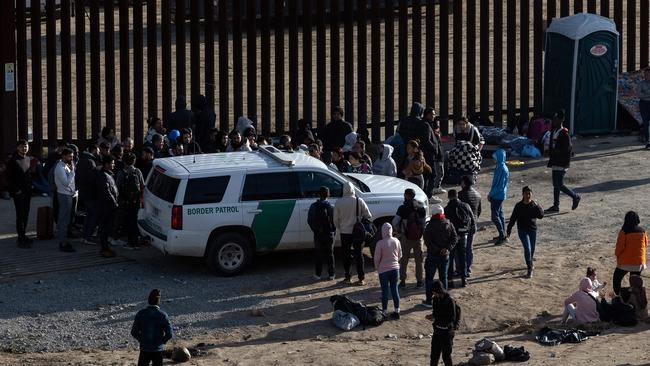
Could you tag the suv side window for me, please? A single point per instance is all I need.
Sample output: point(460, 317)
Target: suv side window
point(205, 190)
point(270, 186)
point(310, 183)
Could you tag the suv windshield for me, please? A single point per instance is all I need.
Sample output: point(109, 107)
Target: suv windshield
point(162, 186)
point(355, 182)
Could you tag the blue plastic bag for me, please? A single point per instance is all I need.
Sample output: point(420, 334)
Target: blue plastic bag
point(530, 151)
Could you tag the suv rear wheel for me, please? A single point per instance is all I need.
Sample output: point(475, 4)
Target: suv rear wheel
point(230, 254)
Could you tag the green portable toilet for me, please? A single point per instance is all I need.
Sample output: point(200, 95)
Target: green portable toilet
point(580, 72)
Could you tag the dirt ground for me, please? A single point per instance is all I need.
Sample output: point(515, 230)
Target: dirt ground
point(611, 175)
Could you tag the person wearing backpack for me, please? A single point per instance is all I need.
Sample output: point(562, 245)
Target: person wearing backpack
point(445, 316)
point(130, 185)
point(388, 253)
point(440, 238)
point(460, 214)
point(320, 220)
point(472, 197)
point(525, 214)
point(498, 194)
point(409, 222)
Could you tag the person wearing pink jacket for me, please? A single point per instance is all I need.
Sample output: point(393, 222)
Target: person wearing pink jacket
point(388, 252)
point(581, 306)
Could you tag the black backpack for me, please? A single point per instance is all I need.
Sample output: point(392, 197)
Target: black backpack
point(414, 228)
point(367, 315)
point(129, 192)
point(463, 219)
point(321, 223)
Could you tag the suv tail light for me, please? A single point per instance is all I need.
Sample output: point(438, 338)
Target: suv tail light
point(177, 217)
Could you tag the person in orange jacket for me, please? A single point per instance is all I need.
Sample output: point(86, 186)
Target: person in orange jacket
point(630, 250)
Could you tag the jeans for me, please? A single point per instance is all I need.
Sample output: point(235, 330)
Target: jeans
point(469, 251)
point(389, 278)
point(352, 250)
point(442, 342)
point(105, 221)
point(22, 202)
point(65, 212)
point(324, 252)
point(618, 277)
point(457, 258)
point(91, 217)
point(644, 108)
point(156, 358)
point(407, 247)
point(528, 239)
point(569, 311)
point(558, 185)
point(431, 265)
point(496, 208)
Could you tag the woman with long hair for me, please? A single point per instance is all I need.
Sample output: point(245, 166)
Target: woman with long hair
point(630, 250)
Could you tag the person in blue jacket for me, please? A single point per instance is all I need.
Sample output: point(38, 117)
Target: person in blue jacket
point(152, 329)
point(498, 194)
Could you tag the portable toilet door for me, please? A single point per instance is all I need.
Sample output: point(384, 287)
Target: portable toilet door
point(581, 70)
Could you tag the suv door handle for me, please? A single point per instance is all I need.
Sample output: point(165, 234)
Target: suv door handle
point(255, 211)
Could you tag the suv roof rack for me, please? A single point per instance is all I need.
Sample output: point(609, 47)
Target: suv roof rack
point(277, 155)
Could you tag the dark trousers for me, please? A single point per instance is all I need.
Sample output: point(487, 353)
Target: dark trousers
point(644, 108)
point(442, 342)
point(155, 358)
point(432, 265)
point(105, 221)
point(21, 203)
point(618, 277)
point(131, 224)
point(528, 239)
point(90, 222)
point(457, 258)
point(469, 251)
point(558, 185)
point(324, 252)
point(351, 251)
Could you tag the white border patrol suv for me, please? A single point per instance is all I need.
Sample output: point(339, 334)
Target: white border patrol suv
point(226, 207)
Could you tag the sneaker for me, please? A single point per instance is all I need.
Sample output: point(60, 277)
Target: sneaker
point(394, 316)
point(331, 278)
point(427, 304)
point(132, 247)
point(576, 202)
point(647, 146)
point(552, 209)
point(501, 241)
point(463, 283)
point(347, 281)
point(529, 274)
point(107, 253)
point(315, 277)
point(28, 240)
point(67, 248)
point(402, 284)
point(88, 241)
point(419, 284)
point(116, 242)
point(360, 283)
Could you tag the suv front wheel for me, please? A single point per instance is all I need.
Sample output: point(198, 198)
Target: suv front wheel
point(229, 254)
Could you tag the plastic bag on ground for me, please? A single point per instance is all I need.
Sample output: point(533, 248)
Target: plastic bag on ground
point(345, 321)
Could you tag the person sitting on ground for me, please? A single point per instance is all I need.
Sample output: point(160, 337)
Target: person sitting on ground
point(581, 306)
point(630, 251)
point(415, 166)
point(595, 284)
point(190, 147)
point(108, 136)
point(636, 295)
point(152, 329)
point(155, 127)
point(237, 143)
point(385, 165)
point(465, 131)
point(388, 253)
point(357, 164)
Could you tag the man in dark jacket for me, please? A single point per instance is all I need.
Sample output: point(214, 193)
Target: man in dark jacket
point(204, 120)
point(130, 185)
point(444, 319)
point(190, 147)
point(525, 214)
point(181, 118)
point(85, 183)
point(460, 214)
point(303, 135)
point(472, 197)
point(559, 161)
point(440, 239)
point(436, 157)
point(409, 222)
point(20, 187)
point(145, 162)
point(107, 203)
point(333, 135)
point(320, 220)
point(414, 127)
point(152, 329)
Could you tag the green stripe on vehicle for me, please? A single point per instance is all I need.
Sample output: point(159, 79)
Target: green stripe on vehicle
point(270, 224)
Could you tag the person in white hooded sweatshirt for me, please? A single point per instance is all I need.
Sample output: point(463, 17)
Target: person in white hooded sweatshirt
point(385, 165)
point(345, 216)
point(388, 252)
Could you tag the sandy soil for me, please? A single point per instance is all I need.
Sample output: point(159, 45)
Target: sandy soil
point(610, 174)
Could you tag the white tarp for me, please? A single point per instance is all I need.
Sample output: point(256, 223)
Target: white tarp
point(580, 25)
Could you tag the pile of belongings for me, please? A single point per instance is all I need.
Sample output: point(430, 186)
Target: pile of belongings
point(553, 337)
point(500, 137)
point(487, 351)
point(349, 313)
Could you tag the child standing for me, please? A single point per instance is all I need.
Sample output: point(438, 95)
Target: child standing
point(388, 252)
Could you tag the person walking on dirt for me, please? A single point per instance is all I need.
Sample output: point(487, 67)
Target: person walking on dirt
point(152, 329)
point(321, 221)
point(631, 246)
point(440, 239)
point(388, 253)
point(525, 214)
point(445, 316)
point(643, 92)
point(472, 197)
point(409, 222)
point(20, 183)
point(498, 194)
point(560, 158)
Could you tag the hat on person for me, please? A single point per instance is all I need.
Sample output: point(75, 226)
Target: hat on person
point(436, 209)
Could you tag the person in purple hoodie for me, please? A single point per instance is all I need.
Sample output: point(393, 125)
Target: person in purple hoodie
point(388, 252)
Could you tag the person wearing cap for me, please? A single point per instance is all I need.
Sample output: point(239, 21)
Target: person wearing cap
point(440, 239)
point(559, 161)
point(152, 329)
point(525, 215)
